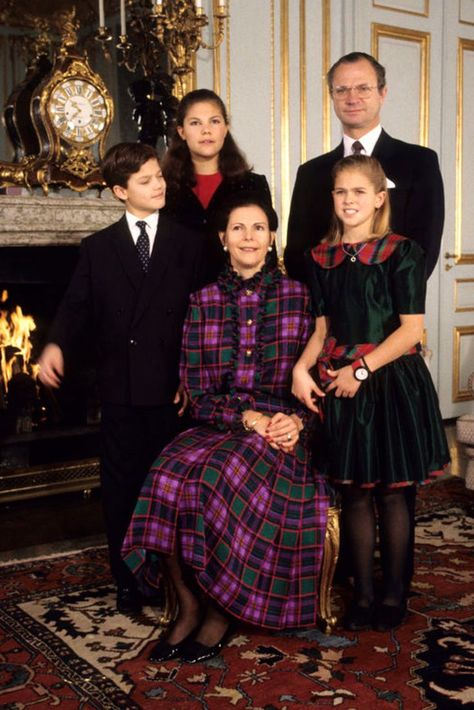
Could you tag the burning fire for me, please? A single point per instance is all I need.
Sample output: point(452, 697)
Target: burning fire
point(15, 345)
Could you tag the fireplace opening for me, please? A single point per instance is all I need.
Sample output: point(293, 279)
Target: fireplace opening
point(49, 439)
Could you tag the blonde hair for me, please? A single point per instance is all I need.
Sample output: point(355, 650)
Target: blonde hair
point(371, 168)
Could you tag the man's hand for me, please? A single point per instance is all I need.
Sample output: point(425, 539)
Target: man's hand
point(51, 364)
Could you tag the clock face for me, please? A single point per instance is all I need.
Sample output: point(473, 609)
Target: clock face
point(78, 110)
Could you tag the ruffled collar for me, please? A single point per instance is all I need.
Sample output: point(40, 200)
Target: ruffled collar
point(262, 283)
point(375, 252)
point(229, 280)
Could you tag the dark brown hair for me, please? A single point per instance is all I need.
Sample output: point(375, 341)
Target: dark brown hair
point(356, 57)
point(372, 169)
point(123, 160)
point(178, 167)
point(246, 200)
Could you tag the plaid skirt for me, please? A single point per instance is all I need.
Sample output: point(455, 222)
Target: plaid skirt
point(248, 520)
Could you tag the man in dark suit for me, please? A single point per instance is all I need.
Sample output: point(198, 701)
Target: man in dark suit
point(130, 290)
point(358, 89)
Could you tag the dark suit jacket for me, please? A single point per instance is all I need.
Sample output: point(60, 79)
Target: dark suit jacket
point(184, 207)
point(417, 200)
point(135, 319)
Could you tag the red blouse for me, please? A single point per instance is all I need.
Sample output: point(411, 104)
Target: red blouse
point(206, 186)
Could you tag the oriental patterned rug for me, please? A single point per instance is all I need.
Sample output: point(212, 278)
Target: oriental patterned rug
point(62, 644)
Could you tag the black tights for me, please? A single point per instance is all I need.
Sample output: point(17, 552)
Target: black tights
point(359, 507)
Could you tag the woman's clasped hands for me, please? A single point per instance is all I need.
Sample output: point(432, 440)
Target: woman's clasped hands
point(281, 431)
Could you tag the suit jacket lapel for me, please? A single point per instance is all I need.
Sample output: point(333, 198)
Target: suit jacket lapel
point(127, 253)
point(339, 151)
point(383, 147)
point(163, 252)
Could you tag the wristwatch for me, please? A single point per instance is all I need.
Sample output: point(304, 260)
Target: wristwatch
point(360, 370)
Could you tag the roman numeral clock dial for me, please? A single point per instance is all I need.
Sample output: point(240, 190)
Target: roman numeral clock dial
point(78, 111)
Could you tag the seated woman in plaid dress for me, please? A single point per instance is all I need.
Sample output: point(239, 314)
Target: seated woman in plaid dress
point(233, 506)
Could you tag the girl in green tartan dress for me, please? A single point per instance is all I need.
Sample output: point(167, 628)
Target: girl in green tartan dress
point(375, 393)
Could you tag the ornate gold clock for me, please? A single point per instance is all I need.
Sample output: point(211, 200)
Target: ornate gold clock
point(78, 110)
point(71, 112)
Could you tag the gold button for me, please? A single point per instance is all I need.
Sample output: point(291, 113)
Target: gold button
point(248, 292)
point(248, 353)
point(250, 321)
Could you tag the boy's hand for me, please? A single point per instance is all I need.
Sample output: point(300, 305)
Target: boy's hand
point(181, 397)
point(344, 382)
point(51, 364)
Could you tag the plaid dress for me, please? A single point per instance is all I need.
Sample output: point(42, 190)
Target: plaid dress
point(249, 520)
point(391, 432)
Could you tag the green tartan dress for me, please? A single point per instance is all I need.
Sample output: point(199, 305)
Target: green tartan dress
point(248, 520)
point(391, 432)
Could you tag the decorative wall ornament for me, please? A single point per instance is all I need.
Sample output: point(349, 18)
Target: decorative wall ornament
point(166, 34)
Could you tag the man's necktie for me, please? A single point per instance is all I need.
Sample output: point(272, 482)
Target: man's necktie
point(357, 148)
point(143, 245)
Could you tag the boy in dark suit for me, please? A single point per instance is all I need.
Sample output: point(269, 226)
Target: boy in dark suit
point(130, 289)
point(358, 88)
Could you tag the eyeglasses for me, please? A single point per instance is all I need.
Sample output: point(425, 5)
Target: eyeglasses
point(362, 91)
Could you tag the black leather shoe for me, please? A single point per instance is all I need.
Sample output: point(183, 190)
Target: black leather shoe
point(164, 651)
point(359, 618)
point(196, 652)
point(129, 600)
point(389, 617)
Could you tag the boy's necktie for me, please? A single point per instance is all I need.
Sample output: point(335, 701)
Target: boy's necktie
point(143, 245)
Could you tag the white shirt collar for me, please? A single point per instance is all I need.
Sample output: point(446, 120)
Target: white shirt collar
point(152, 226)
point(368, 141)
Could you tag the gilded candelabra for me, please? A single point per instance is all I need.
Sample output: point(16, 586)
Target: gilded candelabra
point(165, 34)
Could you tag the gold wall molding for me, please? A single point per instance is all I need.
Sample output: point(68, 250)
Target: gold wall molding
point(326, 43)
point(423, 39)
point(421, 13)
point(227, 60)
point(465, 45)
point(216, 66)
point(284, 114)
point(460, 332)
point(217, 56)
point(458, 285)
point(272, 100)
point(303, 95)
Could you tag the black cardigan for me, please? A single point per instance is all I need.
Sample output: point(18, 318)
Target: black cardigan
point(184, 207)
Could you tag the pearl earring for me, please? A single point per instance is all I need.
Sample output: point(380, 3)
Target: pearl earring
point(224, 247)
point(270, 248)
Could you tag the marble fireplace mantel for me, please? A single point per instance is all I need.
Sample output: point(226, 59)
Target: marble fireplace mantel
point(37, 220)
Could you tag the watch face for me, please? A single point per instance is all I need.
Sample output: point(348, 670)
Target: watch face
point(361, 373)
point(78, 110)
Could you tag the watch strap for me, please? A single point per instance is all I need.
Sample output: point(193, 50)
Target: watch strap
point(365, 364)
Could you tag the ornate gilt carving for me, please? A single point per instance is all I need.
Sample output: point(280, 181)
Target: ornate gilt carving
point(330, 557)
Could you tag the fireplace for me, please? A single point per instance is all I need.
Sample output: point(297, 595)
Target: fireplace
point(49, 439)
